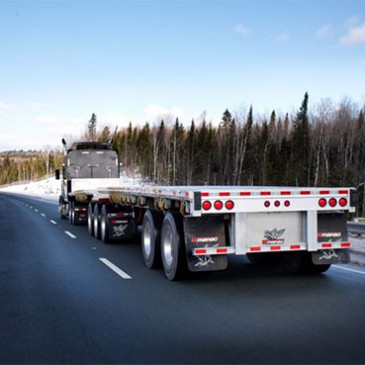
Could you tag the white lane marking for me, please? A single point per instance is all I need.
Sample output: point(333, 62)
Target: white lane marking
point(36, 210)
point(70, 234)
point(43, 215)
point(349, 269)
point(53, 222)
point(116, 269)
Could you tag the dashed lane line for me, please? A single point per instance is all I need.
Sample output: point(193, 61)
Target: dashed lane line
point(43, 215)
point(70, 235)
point(116, 269)
point(349, 269)
point(53, 222)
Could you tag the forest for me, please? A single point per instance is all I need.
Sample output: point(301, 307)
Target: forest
point(322, 148)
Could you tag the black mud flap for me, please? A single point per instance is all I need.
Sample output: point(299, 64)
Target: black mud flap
point(326, 257)
point(121, 228)
point(203, 232)
point(332, 227)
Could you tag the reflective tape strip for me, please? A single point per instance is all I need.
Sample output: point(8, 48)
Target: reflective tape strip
point(213, 251)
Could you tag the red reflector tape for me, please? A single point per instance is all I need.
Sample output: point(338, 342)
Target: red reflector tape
point(265, 193)
point(305, 192)
point(255, 249)
point(205, 194)
point(345, 244)
point(285, 193)
point(324, 192)
point(326, 245)
point(343, 192)
point(221, 250)
point(200, 251)
point(245, 193)
point(275, 248)
point(224, 193)
point(295, 247)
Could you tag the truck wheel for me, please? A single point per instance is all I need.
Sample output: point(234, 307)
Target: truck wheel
point(173, 247)
point(151, 249)
point(71, 212)
point(90, 219)
point(62, 208)
point(96, 219)
point(104, 228)
point(311, 268)
point(292, 263)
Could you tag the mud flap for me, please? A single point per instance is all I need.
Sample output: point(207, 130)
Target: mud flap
point(205, 232)
point(326, 257)
point(332, 228)
point(121, 224)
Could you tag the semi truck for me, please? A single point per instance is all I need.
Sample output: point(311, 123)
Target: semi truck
point(195, 228)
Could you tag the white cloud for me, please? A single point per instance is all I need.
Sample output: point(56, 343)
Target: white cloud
point(6, 106)
point(155, 112)
point(242, 30)
point(355, 35)
point(35, 106)
point(282, 38)
point(326, 31)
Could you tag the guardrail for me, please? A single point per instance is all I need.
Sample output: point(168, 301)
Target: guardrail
point(356, 227)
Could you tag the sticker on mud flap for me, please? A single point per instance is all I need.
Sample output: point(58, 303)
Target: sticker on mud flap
point(273, 237)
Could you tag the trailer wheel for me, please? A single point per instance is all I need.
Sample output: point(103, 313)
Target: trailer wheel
point(62, 208)
point(311, 268)
point(104, 228)
point(71, 212)
point(293, 263)
point(151, 249)
point(96, 220)
point(90, 219)
point(173, 247)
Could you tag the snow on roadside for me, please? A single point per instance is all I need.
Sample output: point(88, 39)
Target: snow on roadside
point(50, 188)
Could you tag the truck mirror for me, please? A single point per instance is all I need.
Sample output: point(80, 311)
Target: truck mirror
point(57, 174)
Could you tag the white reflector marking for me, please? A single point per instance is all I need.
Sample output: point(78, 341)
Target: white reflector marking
point(70, 234)
point(116, 269)
point(53, 222)
point(348, 269)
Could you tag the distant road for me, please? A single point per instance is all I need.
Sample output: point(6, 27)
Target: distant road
point(68, 298)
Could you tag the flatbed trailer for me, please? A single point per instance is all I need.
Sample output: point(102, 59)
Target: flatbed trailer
point(194, 228)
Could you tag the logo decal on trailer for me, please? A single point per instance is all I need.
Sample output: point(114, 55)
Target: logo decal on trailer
point(273, 237)
point(120, 230)
point(204, 239)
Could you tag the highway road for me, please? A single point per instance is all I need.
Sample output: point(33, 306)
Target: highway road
point(63, 301)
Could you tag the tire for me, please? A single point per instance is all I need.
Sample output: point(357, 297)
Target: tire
point(173, 247)
point(71, 212)
point(311, 268)
point(293, 262)
point(90, 219)
point(104, 227)
point(96, 221)
point(151, 230)
point(62, 208)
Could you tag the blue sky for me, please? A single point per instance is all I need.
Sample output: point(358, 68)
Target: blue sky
point(61, 61)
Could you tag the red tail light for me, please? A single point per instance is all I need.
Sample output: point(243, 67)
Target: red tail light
point(207, 205)
point(322, 202)
point(229, 205)
point(218, 205)
point(277, 203)
point(287, 203)
point(267, 204)
point(343, 202)
point(332, 202)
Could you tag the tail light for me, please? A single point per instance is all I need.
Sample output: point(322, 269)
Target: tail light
point(207, 205)
point(322, 202)
point(229, 204)
point(218, 205)
point(343, 202)
point(332, 202)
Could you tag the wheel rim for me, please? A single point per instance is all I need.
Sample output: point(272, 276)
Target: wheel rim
point(167, 247)
point(147, 244)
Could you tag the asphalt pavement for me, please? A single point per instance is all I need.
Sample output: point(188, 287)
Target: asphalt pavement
point(68, 298)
